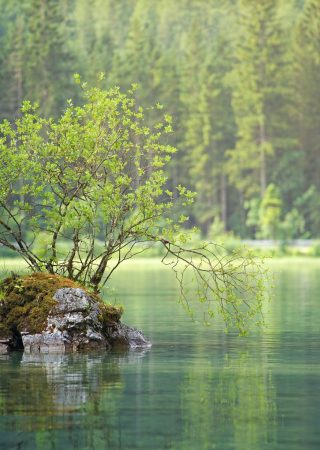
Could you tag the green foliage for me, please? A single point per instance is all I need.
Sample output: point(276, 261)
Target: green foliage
point(231, 284)
point(37, 62)
point(315, 250)
point(293, 225)
point(259, 89)
point(308, 204)
point(239, 77)
point(95, 172)
point(270, 213)
point(253, 214)
point(81, 194)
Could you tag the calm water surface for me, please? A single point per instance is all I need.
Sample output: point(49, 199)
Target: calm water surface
point(196, 388)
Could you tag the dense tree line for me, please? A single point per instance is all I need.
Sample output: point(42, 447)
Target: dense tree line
point(240, 78)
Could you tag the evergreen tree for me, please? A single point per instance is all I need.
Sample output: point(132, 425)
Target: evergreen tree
point(207, 118)
point(259, 93)
point(35, 59)
point(12, 57)
point(48, 66)
point(240, 78)
point(307, 64)
point(270, 213)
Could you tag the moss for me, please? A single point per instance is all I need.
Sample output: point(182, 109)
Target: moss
point(25, 302)
point(109, 314)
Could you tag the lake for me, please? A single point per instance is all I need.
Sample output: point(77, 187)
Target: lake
point(196, 388)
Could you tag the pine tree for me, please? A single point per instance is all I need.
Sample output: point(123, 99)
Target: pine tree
point(48, 66)
point(259, 89)
point(207, 118)
point(12, 58)
point(307, 61)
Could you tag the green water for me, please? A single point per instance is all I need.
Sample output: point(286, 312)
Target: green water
point(196, 388)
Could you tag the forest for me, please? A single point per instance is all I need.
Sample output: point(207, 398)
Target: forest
point(239, 77)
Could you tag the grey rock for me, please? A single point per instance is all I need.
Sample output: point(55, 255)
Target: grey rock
point(93, 335)
point(45, 342)
point(66, 321)
point(124, 336)
point(75, 323)
point(72, 300)
point(60, 342)
point(4, 347)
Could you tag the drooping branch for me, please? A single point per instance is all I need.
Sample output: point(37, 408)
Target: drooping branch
point(232, 285)
point(21, 247)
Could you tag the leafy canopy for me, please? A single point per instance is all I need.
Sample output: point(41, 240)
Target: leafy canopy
point(95, 179)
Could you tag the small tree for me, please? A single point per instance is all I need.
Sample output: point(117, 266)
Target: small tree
point(95, 179)
point(270, 213)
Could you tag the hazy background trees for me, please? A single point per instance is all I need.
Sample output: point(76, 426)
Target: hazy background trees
point(240, 77)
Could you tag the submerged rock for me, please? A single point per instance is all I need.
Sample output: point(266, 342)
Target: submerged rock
point(64, 317)
point(123, 336)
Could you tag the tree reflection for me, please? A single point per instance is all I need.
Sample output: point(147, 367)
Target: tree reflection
point(223, 398)
point(228, 404)
point(61, 401)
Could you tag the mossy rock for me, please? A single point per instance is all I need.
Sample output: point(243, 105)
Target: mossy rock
point(26, 301)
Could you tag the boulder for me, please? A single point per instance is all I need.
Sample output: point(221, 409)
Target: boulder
point(123, 336)
point(64, 319)
point(4, 346)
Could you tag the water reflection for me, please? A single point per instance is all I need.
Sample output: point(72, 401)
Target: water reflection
point(61, 401)
point(199, 397)
point(220, 401)
point(195, 389)
point(57, 383)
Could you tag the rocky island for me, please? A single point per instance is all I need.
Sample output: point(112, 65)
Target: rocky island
point(46, 313)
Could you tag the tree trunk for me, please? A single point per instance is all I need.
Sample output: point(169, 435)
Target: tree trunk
point(263, 176)
point(97, 276)
point(223, 200)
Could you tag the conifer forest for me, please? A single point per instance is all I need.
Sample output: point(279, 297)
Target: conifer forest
point(239, 77)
